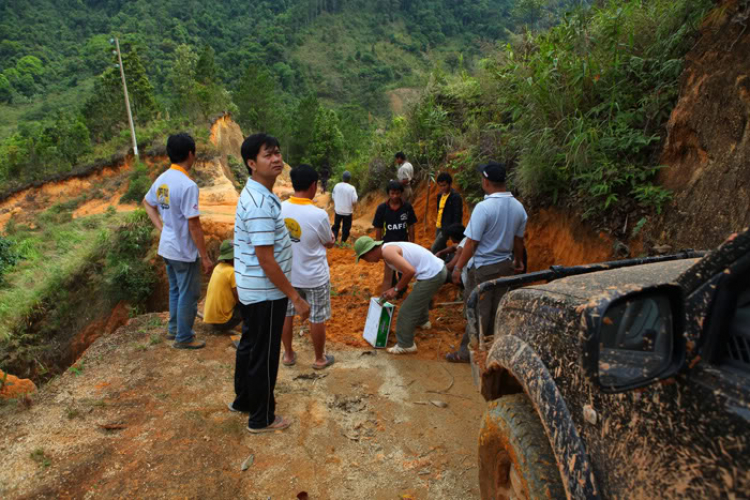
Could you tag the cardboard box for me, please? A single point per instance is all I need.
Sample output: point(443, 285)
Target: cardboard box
point(378, 324)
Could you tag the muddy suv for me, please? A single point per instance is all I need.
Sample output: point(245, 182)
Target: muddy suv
point(628, 379)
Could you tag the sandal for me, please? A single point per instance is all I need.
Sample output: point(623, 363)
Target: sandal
point(329, 361)
point(289, 363)
point(279, 424)
point(456, 357)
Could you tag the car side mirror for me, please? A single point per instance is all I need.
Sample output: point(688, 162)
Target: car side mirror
point(634, 339)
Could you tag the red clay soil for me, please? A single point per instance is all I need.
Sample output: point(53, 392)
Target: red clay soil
point(353, 284)
point(119, 317)
point(552, 238)
point(707, 151)
point(14, 387)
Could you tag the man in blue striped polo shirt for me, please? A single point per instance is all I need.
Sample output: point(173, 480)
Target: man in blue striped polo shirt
point(262, 266)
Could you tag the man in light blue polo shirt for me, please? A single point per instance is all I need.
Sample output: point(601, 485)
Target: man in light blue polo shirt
point(262, 266)
point(494, 247)
point(172, 206)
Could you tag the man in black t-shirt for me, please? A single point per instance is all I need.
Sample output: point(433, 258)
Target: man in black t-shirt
point(394, 221)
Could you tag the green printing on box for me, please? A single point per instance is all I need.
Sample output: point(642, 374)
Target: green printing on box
point(384, 327)
point(378, 324)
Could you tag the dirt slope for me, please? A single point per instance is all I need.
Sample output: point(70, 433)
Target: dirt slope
point(708, 148)
point(139, 419)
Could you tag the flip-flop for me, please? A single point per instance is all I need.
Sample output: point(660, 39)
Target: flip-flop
point(289, 363)
point(329, 361)
point(455, 357)
point(279, 424)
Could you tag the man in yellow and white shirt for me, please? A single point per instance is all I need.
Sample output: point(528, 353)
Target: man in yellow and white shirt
point(310, 232)
point(172, 205)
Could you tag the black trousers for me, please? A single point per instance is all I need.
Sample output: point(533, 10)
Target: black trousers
point(257, 364)
point(337, 220)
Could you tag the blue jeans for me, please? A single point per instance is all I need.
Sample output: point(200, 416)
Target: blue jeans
point(184, 292)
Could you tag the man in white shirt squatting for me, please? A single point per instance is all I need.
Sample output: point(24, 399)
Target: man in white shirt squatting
point(262, 267)
point(311, 235)
point(412, 261)
point(344, 199)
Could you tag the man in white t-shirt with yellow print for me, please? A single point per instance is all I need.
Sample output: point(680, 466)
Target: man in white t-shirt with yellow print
point(172, 205)
point(310, 232)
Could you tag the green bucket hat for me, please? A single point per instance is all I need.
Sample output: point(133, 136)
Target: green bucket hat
point(226, 250)
point(364, 244)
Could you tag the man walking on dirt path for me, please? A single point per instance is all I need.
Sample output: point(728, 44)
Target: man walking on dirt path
point(494, 247)
point(172, 205)
point(222, 310)
point(344, 199)
point(450, 210)
point(262, 266)
point(311, 235)
point(412, 261)
point(405, 174)
point(398, 219)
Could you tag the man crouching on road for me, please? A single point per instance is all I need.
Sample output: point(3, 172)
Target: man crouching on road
point(412, 261)
point(262, 265)
point(172, 206)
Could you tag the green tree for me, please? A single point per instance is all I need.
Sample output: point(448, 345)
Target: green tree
point(182, 79)
point(302, 136)
point(206, 71)
point(259, 103)
point(211, 96)
point(30, 65)
point(6, 89)
point(105, 112)
point(327, 148)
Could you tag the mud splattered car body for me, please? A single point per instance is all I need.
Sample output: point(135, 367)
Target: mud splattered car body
point(682, 430)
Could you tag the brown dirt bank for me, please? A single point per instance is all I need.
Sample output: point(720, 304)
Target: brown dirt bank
point(708, 147)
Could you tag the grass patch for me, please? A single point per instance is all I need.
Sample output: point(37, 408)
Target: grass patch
point(139, 184)
point(72, 271)
point(39, 456)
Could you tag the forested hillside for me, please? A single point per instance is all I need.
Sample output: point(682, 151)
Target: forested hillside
point(281, 66)
point(578, 112)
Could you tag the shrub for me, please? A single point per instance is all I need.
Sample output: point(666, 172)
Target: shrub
point(140, 182)
point(128, 276)
point(8, 255)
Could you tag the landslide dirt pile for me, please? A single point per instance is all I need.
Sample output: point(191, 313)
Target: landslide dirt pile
point(552, 238)
point(708, 147)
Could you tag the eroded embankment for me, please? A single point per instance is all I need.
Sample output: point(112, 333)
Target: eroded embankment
point(65, 319)
point(707, 152)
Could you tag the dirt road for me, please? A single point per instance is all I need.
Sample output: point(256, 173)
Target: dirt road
point(136, 418)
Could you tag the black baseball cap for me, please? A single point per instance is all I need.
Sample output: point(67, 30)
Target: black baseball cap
point(493, 171)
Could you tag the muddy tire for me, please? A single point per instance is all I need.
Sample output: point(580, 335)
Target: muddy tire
point(515, 457)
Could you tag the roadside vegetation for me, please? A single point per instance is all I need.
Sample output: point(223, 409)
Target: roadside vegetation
point(66, 272)
point(578, 112)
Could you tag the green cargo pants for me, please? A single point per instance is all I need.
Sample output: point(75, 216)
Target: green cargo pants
point(415, 310)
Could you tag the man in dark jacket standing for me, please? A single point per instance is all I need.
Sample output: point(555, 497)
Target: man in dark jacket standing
point(450, 210)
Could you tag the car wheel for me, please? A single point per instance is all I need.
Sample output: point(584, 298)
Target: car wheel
point(515, 457)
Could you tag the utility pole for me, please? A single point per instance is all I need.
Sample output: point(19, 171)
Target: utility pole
point(127, 101)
